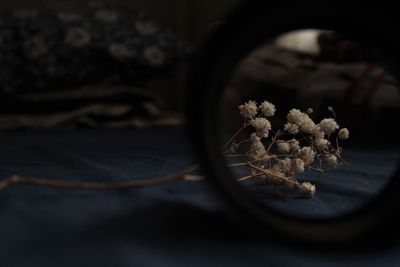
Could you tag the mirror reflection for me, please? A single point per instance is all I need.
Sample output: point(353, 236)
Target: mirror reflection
point(310, 130)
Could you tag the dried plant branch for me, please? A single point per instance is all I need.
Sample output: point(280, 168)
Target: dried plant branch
point(280, 161)
point(182, 175)
point(234, 136)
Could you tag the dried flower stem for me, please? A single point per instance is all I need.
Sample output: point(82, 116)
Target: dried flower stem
point(182, 175)
point(234, 136)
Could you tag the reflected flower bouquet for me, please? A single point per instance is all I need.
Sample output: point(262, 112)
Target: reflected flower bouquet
point(278, 157)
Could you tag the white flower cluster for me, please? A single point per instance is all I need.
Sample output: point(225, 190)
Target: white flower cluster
point(328, 126)
point(267, 108)
point(248, 109)
point(343, 134)
point(308, 148)
point(257, 149)
point(262, 126)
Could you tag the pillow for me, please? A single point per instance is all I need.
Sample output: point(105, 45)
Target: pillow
point(84, 107)
point(50, 50)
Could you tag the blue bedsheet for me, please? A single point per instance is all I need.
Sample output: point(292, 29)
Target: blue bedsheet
point(174, 224)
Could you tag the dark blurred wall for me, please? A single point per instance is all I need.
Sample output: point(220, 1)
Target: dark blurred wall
point(191, 19)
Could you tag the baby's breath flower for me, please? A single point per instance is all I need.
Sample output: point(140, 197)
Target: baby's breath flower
point(257, 150)
point(295, 116)
point(318, 133)
point(310, 187)
point(328, 126)
point(294, 144)
point(286, 164)
point(267, 108)
point(291, 128)
point(331, 159)
point(282, 146)
point(343, 134)
point(321, 143)
point(307, 125)
point(298, 165)
point(301, 119)
point(248, 109)
point(307, 154)
point(290, 159)
point(262, 126)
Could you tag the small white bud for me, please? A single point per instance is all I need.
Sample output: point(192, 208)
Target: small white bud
point(328, 126)
point(343, 134)
point(267, 108)
point(248, 109)
point(282, 146)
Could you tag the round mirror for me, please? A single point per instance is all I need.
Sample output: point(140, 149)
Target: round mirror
point(294, 118)
point(306, 124)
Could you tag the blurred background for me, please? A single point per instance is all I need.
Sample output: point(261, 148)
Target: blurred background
point(190, 19)
point(117, 70)
point(57, 46)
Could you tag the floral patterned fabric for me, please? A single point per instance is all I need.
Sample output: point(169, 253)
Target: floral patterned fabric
point(96, 45)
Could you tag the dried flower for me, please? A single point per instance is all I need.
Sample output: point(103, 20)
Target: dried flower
point(321, 143)
point(294, 145)
point(307, 125)
point(295, 116)
point(262, 126)
point(310, 189)
point(249, 109)
point(343, 134)
point(283, 146)
point(257, 150)
point(267, 108)
point(307, 154)
point(285, 165)
point(328, 126)
point(291, 128)
point(289, 159)
point(298, 165)
point(318, 133)
point(331, 159)
point(301, 119)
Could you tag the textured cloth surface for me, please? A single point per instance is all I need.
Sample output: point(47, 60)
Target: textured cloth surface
point(174, 224)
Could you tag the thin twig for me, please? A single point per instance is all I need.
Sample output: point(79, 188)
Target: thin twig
point(234, 136)
point(273, 141)
point(17, 179)
point(239, 164)
point(244, 178)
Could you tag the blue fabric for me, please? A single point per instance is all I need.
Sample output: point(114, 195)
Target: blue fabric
point(174, 224)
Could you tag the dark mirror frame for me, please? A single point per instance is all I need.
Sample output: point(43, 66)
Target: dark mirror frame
point(248, 26)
